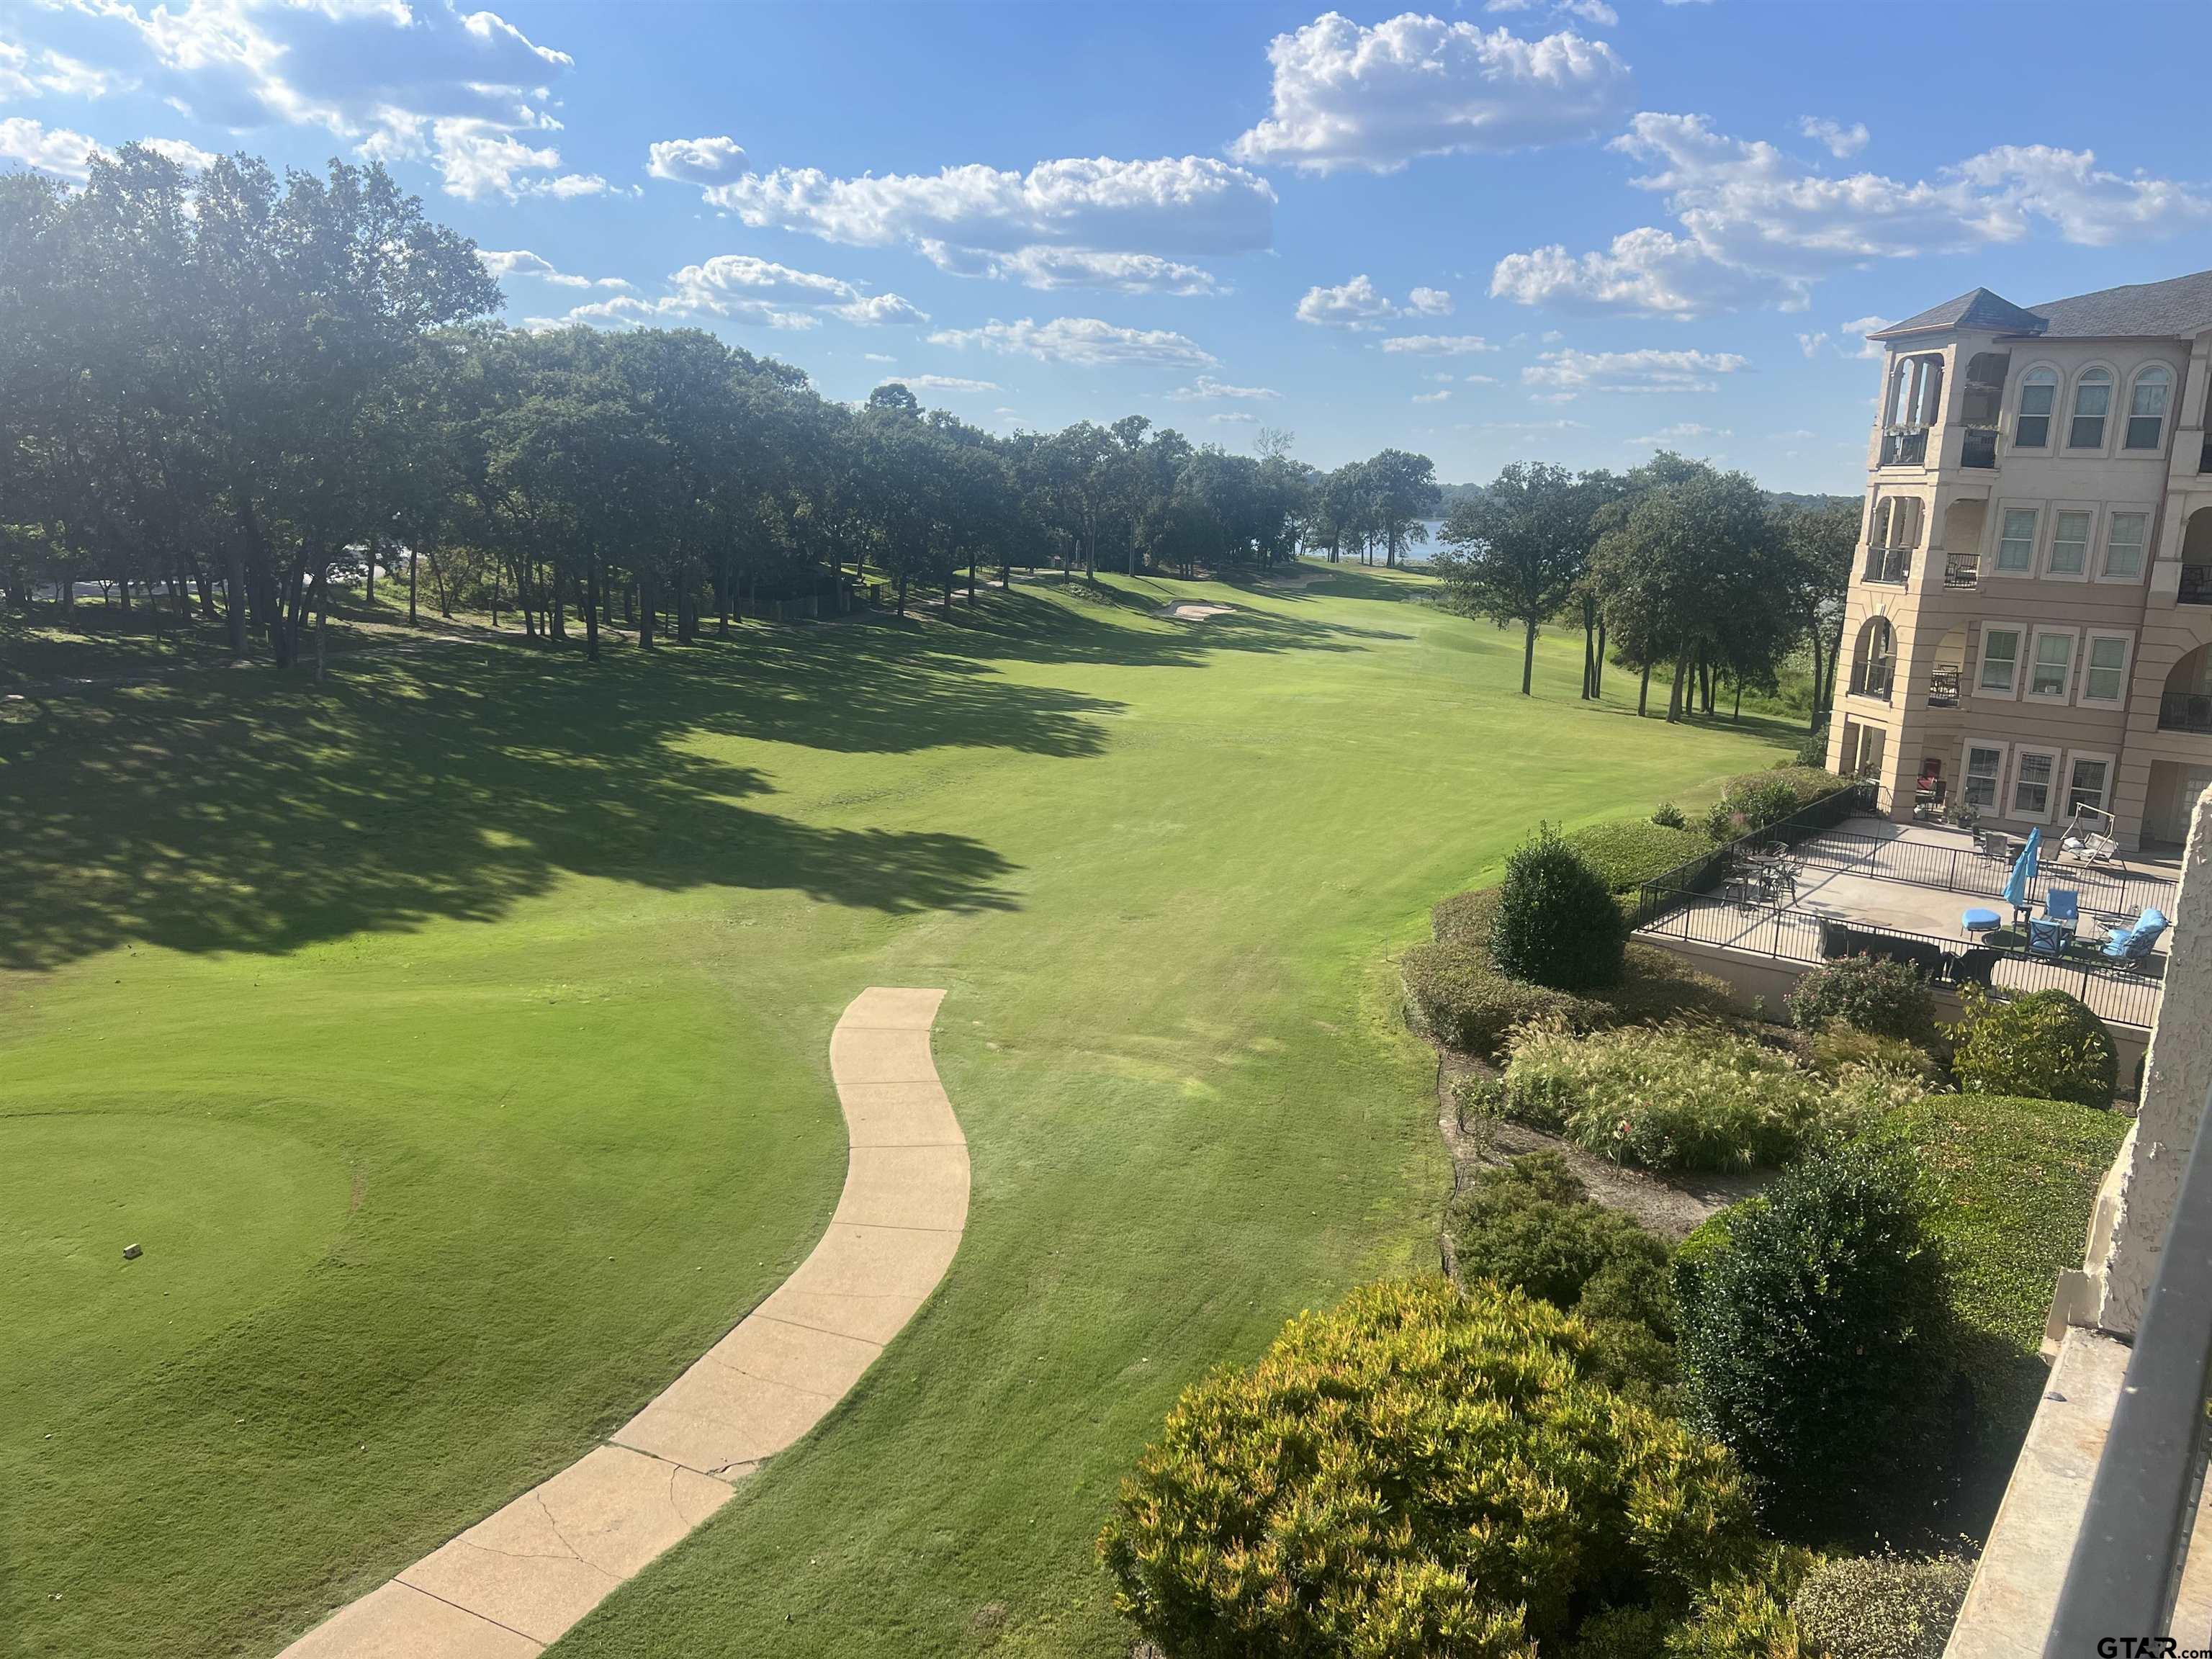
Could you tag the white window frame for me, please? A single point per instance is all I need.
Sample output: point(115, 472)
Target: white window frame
point(2088, 510)
point(2089, 638)
point(2114, 383)
point(2165, 419)
point(2113, 511)
point(2050, 791)
point(1991, 567)
point(2073, 758)
point(1995, 808)
point(2036, 637)
point(2057, 399)
point(2020, 631)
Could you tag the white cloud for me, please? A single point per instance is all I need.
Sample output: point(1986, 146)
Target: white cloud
point(1810, 345)
point(1437, 345)
point(1205, 389)
point(188, 156)
point(1681, 432)
point(521, 262)
point(878, 357)
point(1535, 425)
point(1568, 374)
point(1231, 417)
point(938, 383)
point(1358, 304)
point(694, 160)
point(402, 80)
point(1756, 226)
point(42, 148)
point(1431, 397)
point(26, 74)
point(1483, 379)
point(1843, 141)
point(1857, 329)
point(747, 290)
point(1091, 222)
point(1347, 96)
point(1081, 343)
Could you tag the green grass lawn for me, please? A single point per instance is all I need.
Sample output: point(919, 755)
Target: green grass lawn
point(455, 1041)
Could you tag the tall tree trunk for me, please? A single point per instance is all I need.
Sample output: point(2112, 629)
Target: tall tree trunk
point(900, 610)
point(1738, 714)
point(414, 569)
point(495, 593)
point(368, 596)
point(234, 594)
point(1599, 681)
point(1674, 690)
point(591, 607)
point(559, 609)
point(1528, 653)
point(1589, 652)
point(1643, 693)
point(322, 621)
point(1813, 721)
point(971, 578)
point(645, 598)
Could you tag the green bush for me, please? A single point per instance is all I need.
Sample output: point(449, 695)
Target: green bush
point(1657, 985)
point(2010, 1184)
point(1530, 1226)
point(1874, 995)
point(1838, 1050)
point(1813, 750)
point(1454, 994)
point(1689, 1097)
point(2046, 1044)
point(1557, 924)
point(1882, 1606)
point(1811, 1333)
point(1628, 852)
point(1669, 816)
point(1417, 1473)
point(1466, 919)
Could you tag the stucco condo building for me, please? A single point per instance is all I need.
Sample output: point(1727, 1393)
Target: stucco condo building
point(2031, 606)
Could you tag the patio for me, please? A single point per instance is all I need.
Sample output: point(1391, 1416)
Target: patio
point(1909, 885)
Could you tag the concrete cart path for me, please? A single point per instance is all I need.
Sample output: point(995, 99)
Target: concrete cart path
point(510, 1585)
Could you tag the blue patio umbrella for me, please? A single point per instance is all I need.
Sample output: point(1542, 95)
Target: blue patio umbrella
point(2023, 872)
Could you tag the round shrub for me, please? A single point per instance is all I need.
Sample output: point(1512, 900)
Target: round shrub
point(1872, 995)
point(1883, 1607)
point(1668, 816)
point(1811, 1331)
point(2047, 1045)
point(1557, 924)
point(1416, 1473)
point(1454, 994)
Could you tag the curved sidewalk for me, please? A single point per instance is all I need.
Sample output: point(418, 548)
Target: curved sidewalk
point(517, 1580)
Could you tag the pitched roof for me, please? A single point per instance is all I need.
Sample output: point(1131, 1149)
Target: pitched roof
point(1977, 309)
point(2178, 307)
point(2173, 309)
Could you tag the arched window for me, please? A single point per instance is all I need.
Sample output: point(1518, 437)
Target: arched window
point(2038, 397)
point(2093, 402)
point(2147, 408)
point(1873, 659)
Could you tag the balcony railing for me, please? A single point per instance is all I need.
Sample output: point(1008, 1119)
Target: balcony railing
point(1978, 448)
point(1962, 570)
point(1943, 685)
point(1871, 679)
point(2196, 584)
point(1893, 565)
point(2182, 713)
point(1905, 446)
point(2204, 455)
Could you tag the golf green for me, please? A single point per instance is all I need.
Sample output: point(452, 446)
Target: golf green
point(454, 1041)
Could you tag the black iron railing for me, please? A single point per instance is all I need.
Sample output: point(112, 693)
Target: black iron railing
point(1891, 565)
point(1943, 685)
point(1962, 570)
point(2126, 1568)
point(2196, 584)
point(1978, 447)
point(1871, 679)
point(1905, 446)
point(1705, 873)
point(2182, 713)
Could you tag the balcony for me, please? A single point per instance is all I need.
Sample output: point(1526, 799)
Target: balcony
point(1963, 570)
point(2182, 712)
point(1871, 679)
point(1943, 685)
point(2196, 584)
point(2204, 455)
point(1891, 566)
point(1905, 446)
point(1978, 448)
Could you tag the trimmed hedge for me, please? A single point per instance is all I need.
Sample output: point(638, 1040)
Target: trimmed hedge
point(1628, 852)
point(1812, 1334)
point(1466, 919)
point(1529, 1226)
point(1417, 1473)
point(1872, 995)
point(1455, 994)
point(2046, 1044)
point(1557, 924)
point(1666, 1097)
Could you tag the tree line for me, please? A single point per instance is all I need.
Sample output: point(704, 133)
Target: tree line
point(1673, 565)
point(232, 391)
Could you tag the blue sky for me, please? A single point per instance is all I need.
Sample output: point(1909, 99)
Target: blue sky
point(1523, 229)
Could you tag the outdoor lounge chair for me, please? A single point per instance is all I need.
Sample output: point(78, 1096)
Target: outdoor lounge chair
point(2063, 906)
point(2130, 947)
point(2048, 939)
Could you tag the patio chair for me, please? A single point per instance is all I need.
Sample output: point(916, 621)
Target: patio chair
point(2130, 947)
point(2062, 905)
point(2048, 939)
point(1974, 966)
point(1997, 846)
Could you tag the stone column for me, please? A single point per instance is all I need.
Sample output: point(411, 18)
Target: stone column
point(2174, 1083)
